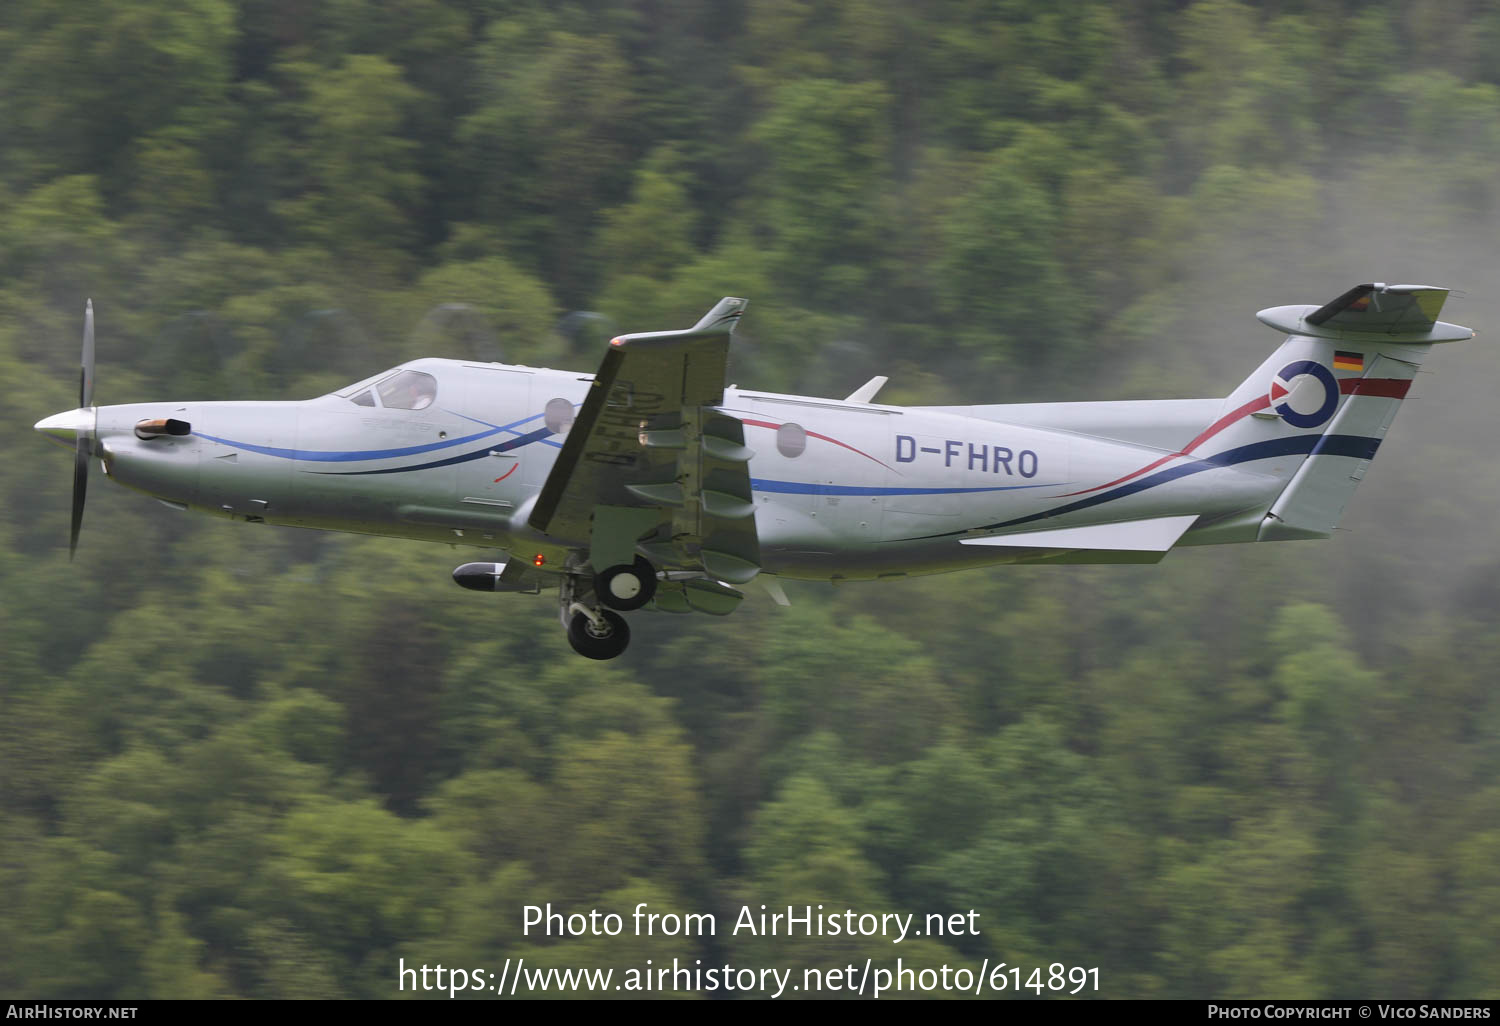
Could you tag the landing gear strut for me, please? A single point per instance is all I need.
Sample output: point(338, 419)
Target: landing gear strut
point(626, 587)
point(602, 635)
point(594, 633)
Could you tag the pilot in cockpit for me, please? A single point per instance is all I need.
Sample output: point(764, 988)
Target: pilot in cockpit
point(408, 390)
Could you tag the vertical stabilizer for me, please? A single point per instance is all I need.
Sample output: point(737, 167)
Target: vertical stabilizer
point(1315, 413)
point(1314, 499)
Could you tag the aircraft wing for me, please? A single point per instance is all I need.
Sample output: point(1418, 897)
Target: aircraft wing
point(650, 463)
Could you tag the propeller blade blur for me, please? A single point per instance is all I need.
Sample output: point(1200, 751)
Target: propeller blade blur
point(86, 371)
point(80, 488)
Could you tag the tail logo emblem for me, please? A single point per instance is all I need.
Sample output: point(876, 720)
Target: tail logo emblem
point(1304, 394)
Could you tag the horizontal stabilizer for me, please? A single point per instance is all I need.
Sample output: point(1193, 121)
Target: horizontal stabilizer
point(1379, 307)
point(1155, 535)
point(1374, 312)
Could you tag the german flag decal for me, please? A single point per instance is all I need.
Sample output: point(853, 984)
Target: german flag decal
point(1343, 361)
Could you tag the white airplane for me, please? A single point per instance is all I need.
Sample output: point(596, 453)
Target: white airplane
point(651, 485)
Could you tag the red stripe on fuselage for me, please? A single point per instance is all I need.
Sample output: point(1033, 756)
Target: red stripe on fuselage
point(814, 434)
point(1219, 425)
point(1389, 388)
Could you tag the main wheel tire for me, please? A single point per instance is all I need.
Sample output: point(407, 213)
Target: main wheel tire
point(589, 640)
point(626, 587)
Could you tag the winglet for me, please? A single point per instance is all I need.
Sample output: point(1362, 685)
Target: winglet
point(721, 320)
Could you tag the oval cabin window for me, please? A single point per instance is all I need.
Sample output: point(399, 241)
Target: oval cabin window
point(791, 440)
point(559, 415)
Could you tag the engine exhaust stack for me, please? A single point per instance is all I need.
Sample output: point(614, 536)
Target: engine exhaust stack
point(148, 429)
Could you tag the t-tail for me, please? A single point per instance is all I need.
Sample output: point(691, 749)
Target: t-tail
point(1319, 408)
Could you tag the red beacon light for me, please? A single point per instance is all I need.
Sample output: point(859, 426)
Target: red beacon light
point(538, 559)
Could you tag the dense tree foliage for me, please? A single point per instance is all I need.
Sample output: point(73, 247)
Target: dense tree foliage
point(237, 761)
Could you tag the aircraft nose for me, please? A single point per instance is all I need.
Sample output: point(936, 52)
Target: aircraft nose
point(66, 427)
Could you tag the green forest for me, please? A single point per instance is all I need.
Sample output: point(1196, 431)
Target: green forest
point(244, 761)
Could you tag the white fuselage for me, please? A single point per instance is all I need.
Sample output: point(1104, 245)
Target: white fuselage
point(842, 490)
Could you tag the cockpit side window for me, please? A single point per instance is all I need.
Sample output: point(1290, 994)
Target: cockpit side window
point(365, 398)
point(407, 390)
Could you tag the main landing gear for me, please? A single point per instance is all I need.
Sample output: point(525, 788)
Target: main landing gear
point(598, 633)
point(626, 587)
point(595, 629)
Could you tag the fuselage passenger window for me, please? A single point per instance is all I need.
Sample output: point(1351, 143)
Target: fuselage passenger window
point(559, 415)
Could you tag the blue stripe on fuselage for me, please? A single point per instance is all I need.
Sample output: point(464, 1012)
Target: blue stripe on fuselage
point(539, 435)
point(1354, 446)
point(318, 456)
point(798, 488)
point(1318, 445)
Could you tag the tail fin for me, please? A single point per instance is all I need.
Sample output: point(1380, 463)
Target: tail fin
point(1318, 409)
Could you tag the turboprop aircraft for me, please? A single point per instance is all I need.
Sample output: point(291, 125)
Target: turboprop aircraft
point(649, 484)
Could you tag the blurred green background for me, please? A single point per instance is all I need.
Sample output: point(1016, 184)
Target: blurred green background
point(268, 763)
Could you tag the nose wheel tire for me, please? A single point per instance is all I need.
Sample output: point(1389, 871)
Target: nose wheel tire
point(604, 639)
point(626, 587)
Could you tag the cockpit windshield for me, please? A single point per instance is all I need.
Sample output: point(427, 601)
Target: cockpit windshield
point(398, 390)
point(407, 390)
